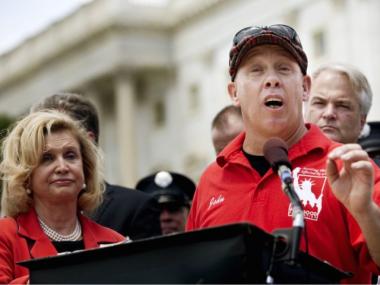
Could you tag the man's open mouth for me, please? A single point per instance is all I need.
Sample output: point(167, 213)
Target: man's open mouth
point(273, 103)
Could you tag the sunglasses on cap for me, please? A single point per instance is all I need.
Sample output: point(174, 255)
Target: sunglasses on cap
point(277, 29)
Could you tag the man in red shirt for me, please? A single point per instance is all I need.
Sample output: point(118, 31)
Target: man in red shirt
point(337, 184)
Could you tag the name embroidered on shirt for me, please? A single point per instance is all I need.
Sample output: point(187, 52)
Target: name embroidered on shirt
point(216, 201)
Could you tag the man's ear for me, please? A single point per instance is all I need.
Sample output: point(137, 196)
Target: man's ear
point(233, 93)
point(306, 85)
point(363, 120)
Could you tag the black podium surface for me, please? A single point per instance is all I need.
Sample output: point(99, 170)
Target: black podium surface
point(236, 253)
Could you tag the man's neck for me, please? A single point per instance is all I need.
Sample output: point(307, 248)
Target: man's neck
point(254, 142)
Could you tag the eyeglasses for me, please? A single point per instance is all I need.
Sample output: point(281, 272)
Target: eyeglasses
point(277, 29)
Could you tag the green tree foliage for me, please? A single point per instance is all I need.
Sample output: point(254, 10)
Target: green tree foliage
point(5, 122)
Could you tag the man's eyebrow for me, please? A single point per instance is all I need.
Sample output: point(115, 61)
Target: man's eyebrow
point(345, 101)
point(316, 97)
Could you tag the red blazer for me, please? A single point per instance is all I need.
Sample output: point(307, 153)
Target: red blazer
point(22, 238)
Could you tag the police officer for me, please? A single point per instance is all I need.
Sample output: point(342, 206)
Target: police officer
point(174, 193)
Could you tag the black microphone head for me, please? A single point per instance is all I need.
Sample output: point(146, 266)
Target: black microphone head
point(276, 153)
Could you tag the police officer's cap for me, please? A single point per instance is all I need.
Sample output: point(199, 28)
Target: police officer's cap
point(168, 187)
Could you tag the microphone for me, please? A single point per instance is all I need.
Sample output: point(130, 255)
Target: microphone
point(276, 153)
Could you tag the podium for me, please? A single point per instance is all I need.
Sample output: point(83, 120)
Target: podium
point(236, 253)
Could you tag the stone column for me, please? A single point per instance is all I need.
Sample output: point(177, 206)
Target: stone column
point(125, 128)
point(104, 106)
point(96, 99)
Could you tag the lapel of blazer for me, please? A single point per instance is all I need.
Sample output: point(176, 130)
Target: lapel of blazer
point(89, 238)
point(94, 235)
point(29, 227)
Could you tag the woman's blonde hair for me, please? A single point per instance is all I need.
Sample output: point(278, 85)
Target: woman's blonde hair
point(22, 151)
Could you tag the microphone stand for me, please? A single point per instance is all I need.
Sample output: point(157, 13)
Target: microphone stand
point(293, 235)
point(276, 153)
point(297, 211)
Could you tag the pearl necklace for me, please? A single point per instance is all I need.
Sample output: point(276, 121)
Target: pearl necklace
point(55, 236)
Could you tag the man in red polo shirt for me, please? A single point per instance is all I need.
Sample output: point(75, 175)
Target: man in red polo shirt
point(337, 184)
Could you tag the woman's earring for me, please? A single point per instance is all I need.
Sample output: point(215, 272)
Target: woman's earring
point(28, 191)
point(84, 186)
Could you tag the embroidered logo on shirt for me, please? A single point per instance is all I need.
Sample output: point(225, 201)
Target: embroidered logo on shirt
point(309, 184)
point(215, 201)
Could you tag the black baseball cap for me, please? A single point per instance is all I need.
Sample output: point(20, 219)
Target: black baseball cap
point(279, 34)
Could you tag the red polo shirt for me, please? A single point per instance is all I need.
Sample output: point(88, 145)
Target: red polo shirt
point(231, 191)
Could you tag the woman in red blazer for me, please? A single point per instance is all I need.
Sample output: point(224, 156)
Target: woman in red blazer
point(51, 176)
